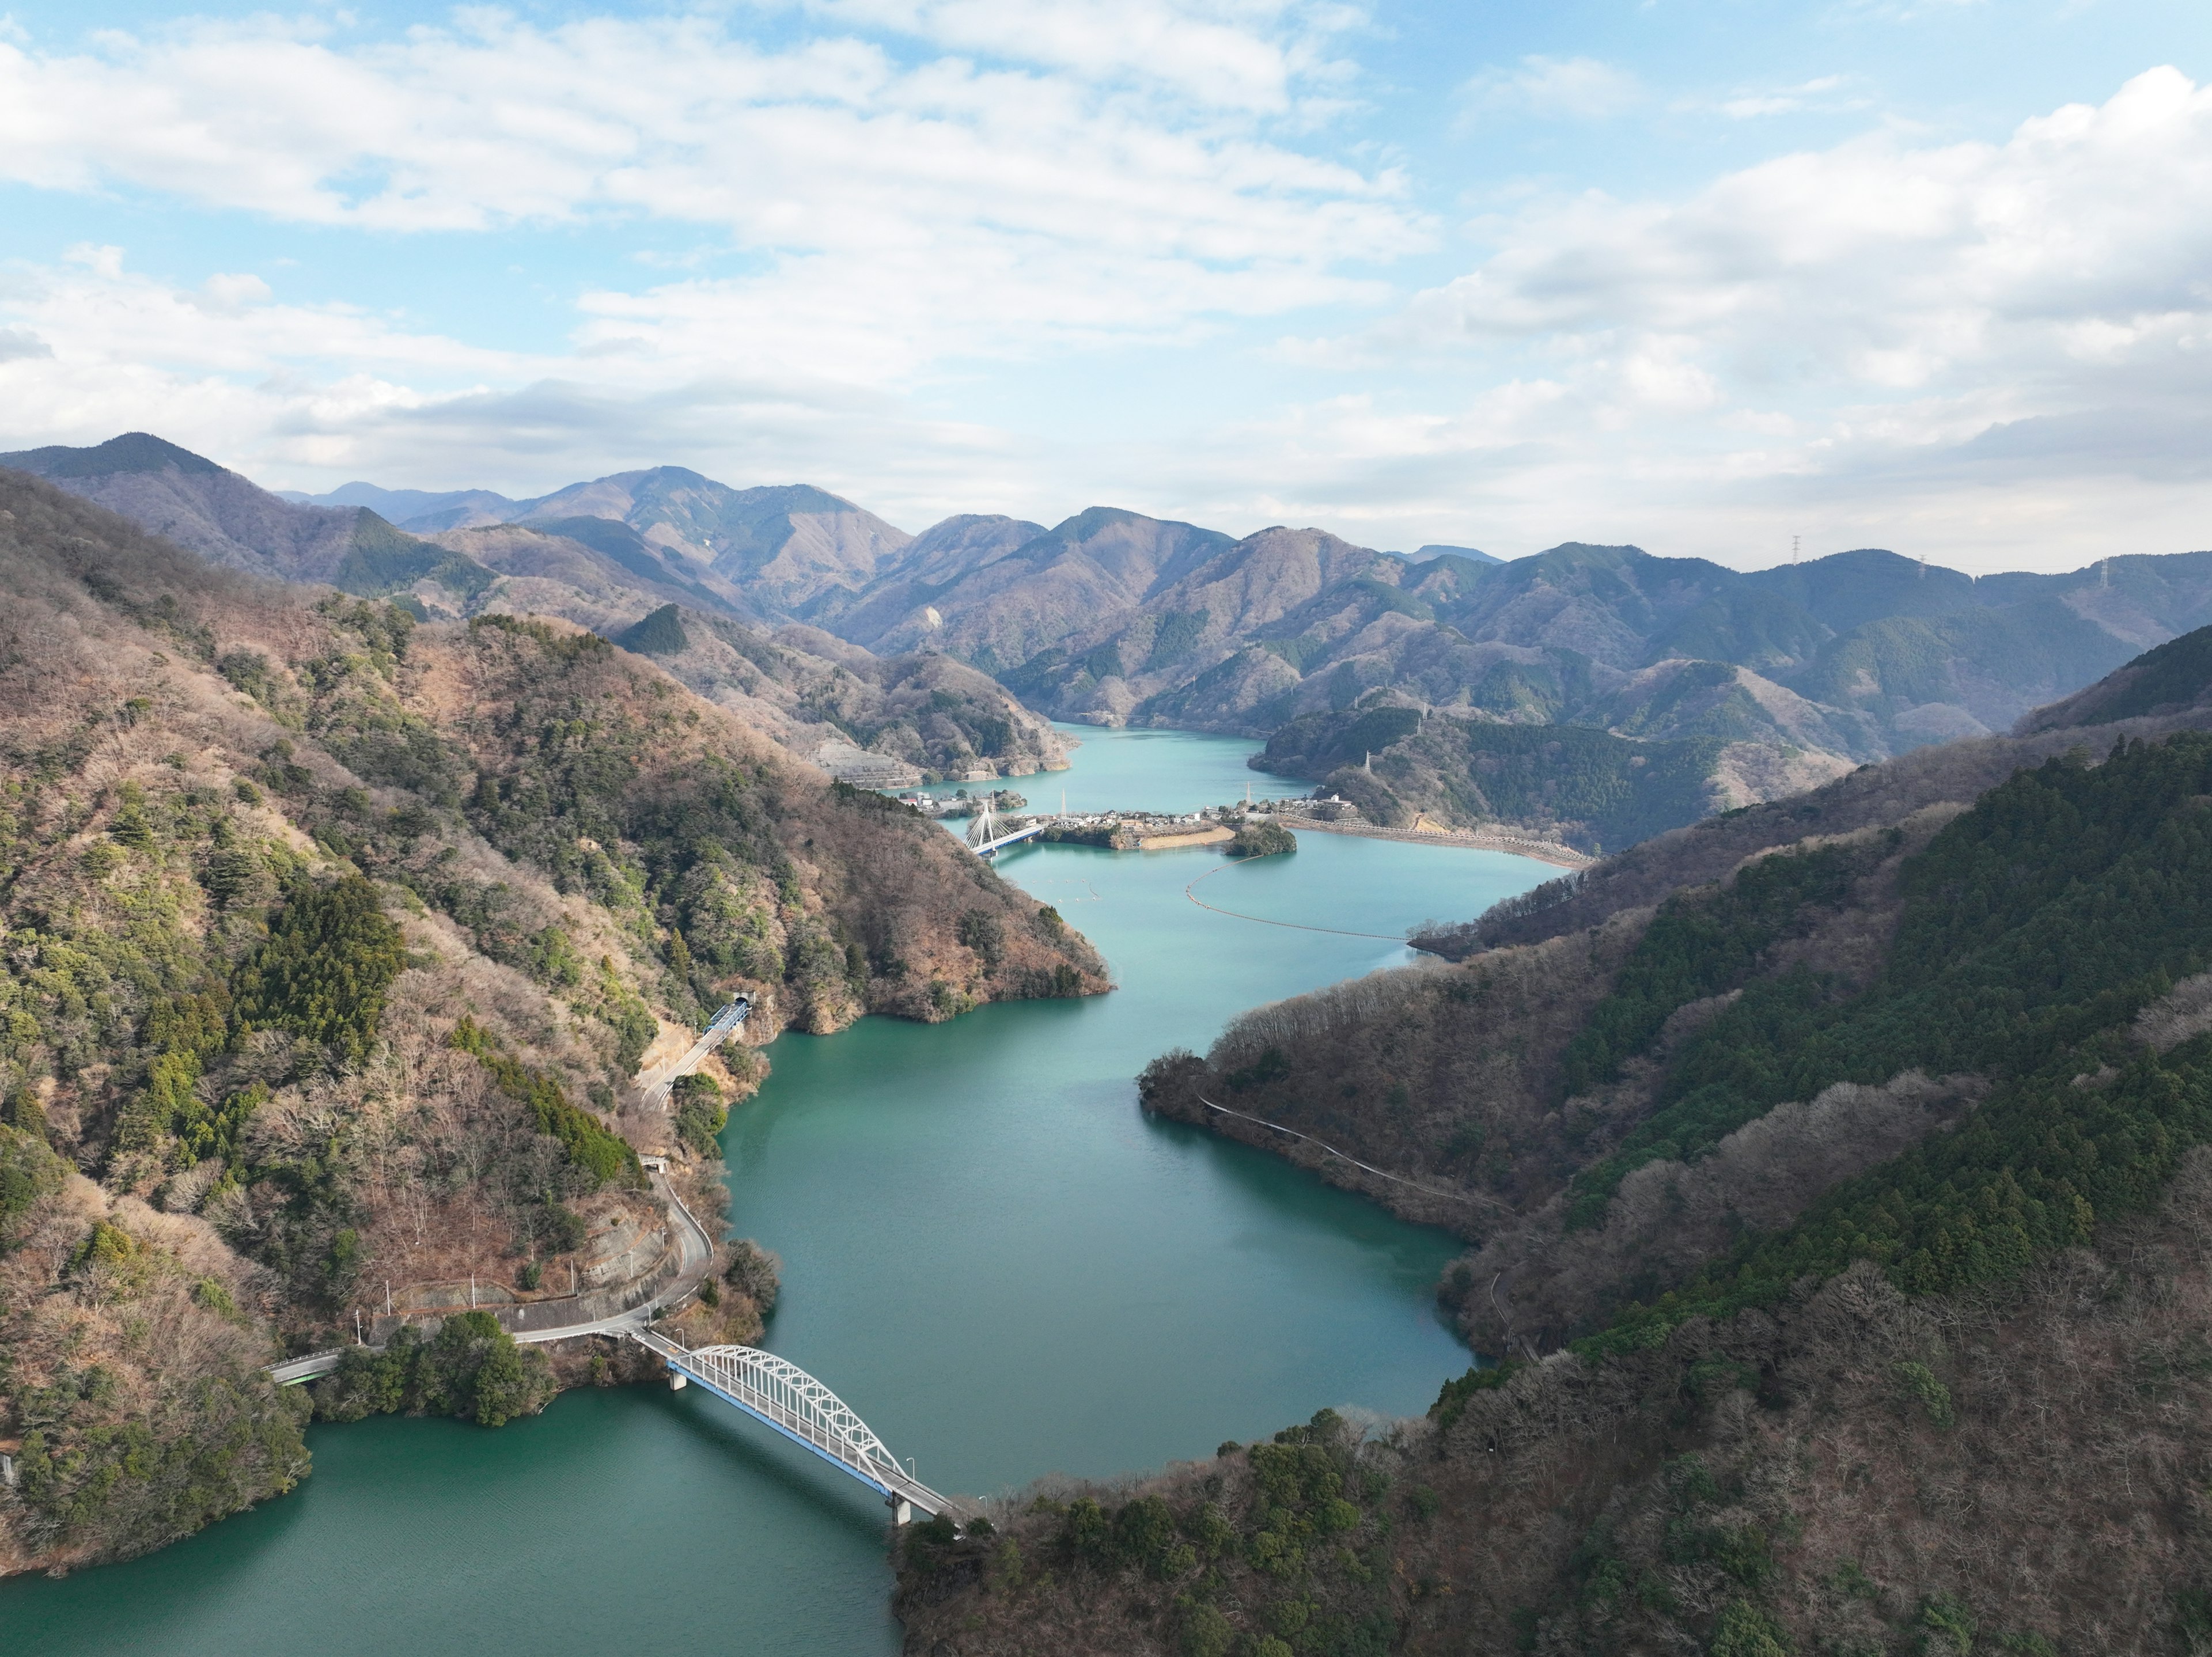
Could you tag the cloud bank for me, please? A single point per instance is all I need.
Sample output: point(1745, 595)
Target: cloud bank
point(1989, 351)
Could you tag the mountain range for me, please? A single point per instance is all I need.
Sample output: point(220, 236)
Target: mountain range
point(801, 686)
point(1676, 687)
point(1835, 1171)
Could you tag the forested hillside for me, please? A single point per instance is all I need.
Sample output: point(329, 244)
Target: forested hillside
point(1836, 1229)
point(1860, 653)
point(805, 687)
point(784, 548)
point(223, 517)
point(335, 941)
point(607, 556)
point(1577, 784)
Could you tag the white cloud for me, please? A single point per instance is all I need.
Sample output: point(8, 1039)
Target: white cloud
point(321, 393)
point(1992, 324)
point(1825, 94)
point(1986, 351)
point(496, 121)
point(1571, 89)
point(1118, 181)
point(1233, 54)
point(1886, 264)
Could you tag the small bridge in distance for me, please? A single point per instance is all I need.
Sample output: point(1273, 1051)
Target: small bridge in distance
point(777, 1393)
point(726, 1024)
point(986, 835)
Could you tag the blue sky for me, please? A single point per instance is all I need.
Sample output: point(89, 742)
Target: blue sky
point(1702, 275)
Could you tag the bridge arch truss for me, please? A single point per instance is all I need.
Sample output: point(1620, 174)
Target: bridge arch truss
point(778, 1392)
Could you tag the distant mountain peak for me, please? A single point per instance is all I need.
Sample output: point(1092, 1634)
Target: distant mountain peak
point(797, 497)
point(133, 452)
point(447, 507)
point(1092, 519)
point(1440, 549)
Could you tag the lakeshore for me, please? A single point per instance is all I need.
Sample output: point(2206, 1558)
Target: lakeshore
point(986, 1247)
point(1476, 840)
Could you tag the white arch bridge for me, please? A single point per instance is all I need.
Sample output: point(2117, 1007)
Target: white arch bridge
point(772, 1390)
point(776, 1391)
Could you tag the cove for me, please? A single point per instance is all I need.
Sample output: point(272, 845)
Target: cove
point(989, 1253)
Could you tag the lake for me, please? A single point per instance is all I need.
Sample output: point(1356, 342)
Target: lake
point(989, 1253)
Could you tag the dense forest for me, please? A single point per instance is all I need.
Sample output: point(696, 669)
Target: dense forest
point(1837, 1232)
point(334, 942)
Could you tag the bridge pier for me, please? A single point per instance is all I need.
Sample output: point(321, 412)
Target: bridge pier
point(678, 1380)
point(901, 1510)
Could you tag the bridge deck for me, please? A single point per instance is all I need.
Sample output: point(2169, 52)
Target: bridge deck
point(726, 1380)
point(991, 846)
point(311, 1367)
point(726, 1024)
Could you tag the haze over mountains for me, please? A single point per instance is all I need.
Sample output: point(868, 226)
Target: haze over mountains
point(1678, 686)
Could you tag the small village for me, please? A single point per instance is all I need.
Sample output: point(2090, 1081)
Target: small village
point(1111, 830)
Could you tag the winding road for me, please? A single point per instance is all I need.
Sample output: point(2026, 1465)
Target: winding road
point(695, 1254)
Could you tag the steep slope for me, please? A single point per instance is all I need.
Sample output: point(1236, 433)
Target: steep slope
point(1873, 796)
point(806, 688)
point(897, 611)
point(1851, 657)
point(1780, 680)
point(1669, 746)
point(335, 944)
point(1108, 670)
point(2176, 679)
point(801, 686)
point(1856, 1472)
point(1598, 1018)
point(1933, 679)
point(598, 572)
point(1841, 1213)
point(595, 572)
point(1925, 654)
point(1575, 784)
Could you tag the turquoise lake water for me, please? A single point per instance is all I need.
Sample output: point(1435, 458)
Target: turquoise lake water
point(988, 1252)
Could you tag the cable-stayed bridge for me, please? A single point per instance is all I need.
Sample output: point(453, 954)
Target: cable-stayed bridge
point(989, 832)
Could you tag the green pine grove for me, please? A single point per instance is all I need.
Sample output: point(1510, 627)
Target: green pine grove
point(2034, 928)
